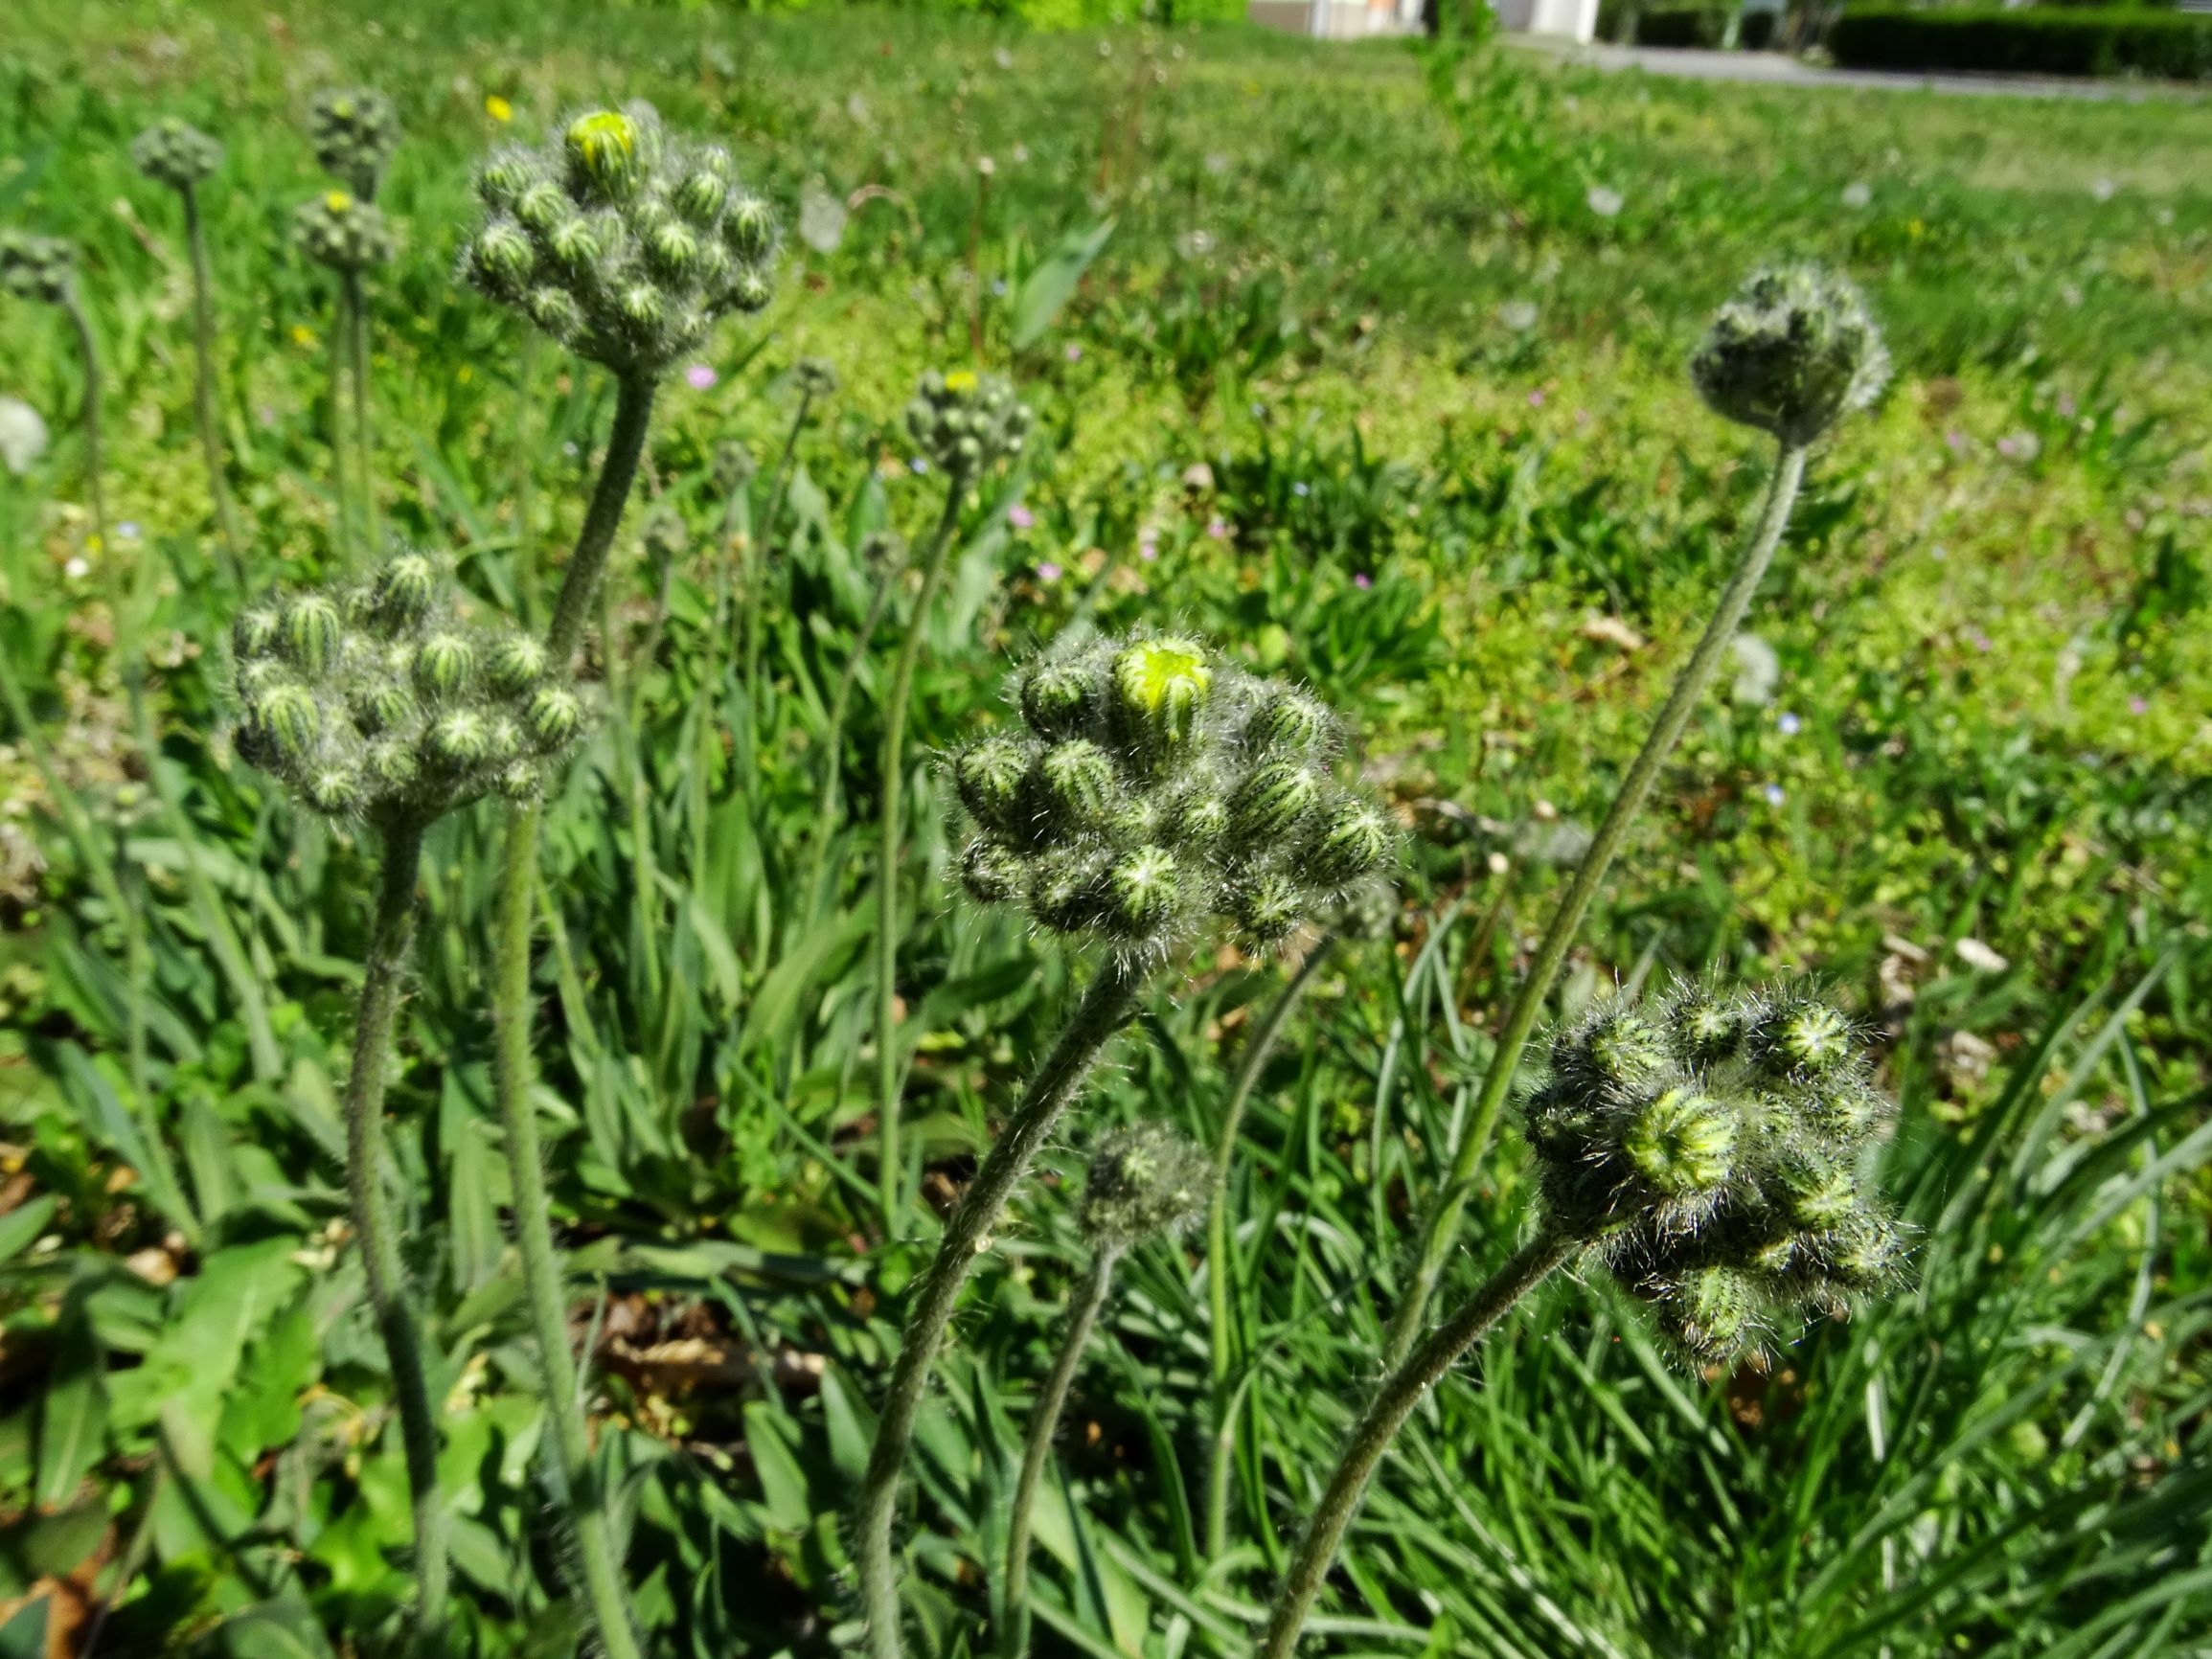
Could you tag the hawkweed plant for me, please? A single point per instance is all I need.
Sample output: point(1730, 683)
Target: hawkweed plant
point(1712, 1156)
point(172, 153)
point(347, 236)
point(1791, 355)
point(963, 425)
point(1144, 1182)
point(1154, 793)
point(372, 705)
point(626, 243)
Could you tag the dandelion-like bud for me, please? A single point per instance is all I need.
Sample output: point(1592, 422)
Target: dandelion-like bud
point(176, 153)
point(631, 234)
point(355, 130)
point(1295, 723)
point(404, 590)
point(343, 231)
point(814, 377)
point(965, 424)
point(445, 664)
point(665, 536)
point(1144, 1181)
point(515, 664)
point(311, 634)
point(1790, 354)
point(35, 267)
point(1710, 1150)
point(734, 466)
point(1128, 804)
point(553, 718)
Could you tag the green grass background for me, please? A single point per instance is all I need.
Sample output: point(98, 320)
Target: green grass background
point(1396, 411)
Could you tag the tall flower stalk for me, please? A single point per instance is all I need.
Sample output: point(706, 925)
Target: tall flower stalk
point(815, 380)
point(1791, 355)
point(1710, 1154)
point(1144, 1182)
point(1154, 791)
point(884, 553)
point(372, 705)
point(963, 425)
point(626, 243)
point(182, 157)
point(346, 233)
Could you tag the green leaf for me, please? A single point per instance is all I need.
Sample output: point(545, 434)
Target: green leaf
point(1053, 281)
point(72, 1414)
point(783, 1484)
point(22, 1226)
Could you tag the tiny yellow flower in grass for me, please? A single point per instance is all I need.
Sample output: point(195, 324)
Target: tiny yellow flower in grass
point(337, 200)
point(302, 334)
point(960, 380)
point(499, 109)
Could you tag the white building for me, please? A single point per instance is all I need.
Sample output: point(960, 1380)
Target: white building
point(1576, 20)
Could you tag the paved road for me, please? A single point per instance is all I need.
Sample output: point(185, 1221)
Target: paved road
point(1773, 69)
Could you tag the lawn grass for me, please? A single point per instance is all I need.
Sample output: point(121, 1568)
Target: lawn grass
point(1364, 387)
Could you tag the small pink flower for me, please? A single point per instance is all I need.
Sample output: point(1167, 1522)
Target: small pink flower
point(2137, 706)
point(1148, 550)
point(1981, 641)
point(698, 376)
point(1218, 530)
point(1075, 353)
point(1956, 440)
point(1363, 581)
point(1536, 398)
point(1020, 517)
point(1048, 572)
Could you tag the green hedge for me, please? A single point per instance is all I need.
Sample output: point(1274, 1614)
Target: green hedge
point(2100, 41)
point(1681, 25)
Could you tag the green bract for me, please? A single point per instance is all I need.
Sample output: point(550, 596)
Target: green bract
point(368, 700)
point(624, 242)
point(342, 231)
point(1149, 792)
point(1711, 1149)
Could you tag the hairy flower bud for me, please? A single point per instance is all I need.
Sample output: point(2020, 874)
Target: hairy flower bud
point(354, 132)
point(749, 230)
point(989, 777)
point(1057, 697)
point(1679, 1142)
point(1274, 804)
point(458, 740)
point(391, 765)
point(309, 635)
point(815, 378)
point(175, 153)
point(35, 267)
point(514, 663)
point(255, 631)
point(1073, 787)
point(1295, 723)
point(1141, 893)
point(1155, 693)
point(519, 780)
point(966, 423)
point(1790, 354)
point(604, 155)
point(553, 718)
point(503, 260)
point(343, 231)
point(990, 871)
point(445, 666)
point(288, 721)
point(734, 466)
point(1352, 840)
point(502, 181)
point(381, 705)
point(1144, 1181)
point(404, 590)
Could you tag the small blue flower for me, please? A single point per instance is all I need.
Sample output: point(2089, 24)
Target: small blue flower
point(1789, 724)
point(1775, 794)
point(919, 464)
point(1299, 488)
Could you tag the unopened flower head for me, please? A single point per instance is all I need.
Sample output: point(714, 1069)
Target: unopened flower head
point(815, 378)
point(35, 267)
point(966, 423)
point(1711, 1147)
point(620, 240)
point(176, 153)
point(1149, 792)
point(664, 537)
point(340, 230)
point(734, 466)
point(369, 700)
point(355, 130)
point(1793, 352)
point(1145, 1181)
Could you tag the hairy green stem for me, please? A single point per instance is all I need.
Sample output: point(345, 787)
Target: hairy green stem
point(1385, 1415)
point(341, 331)
point(1043, 1423)
point(203, 388)
point(833, 730)
point(891, 1171)
point(390, 934)
point(759, 547)
point(1108, 1004)
point(511, 1069)
point(524, 567)
point(1258, 1046)
point(364, 438)
point(1443, 1226)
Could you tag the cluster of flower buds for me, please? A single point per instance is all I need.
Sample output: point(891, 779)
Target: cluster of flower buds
point(734, 466)
point(965, 424)
point(176, 153)
point(355, 130)
point(664, 537)
point(814, 378)
point(1145, 1181)
point(342, 231)
point(620, 240)
point(1712, 1148)
point(35, 267)
point(369, 700)
point(1156, 787)
point(1793, 352)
